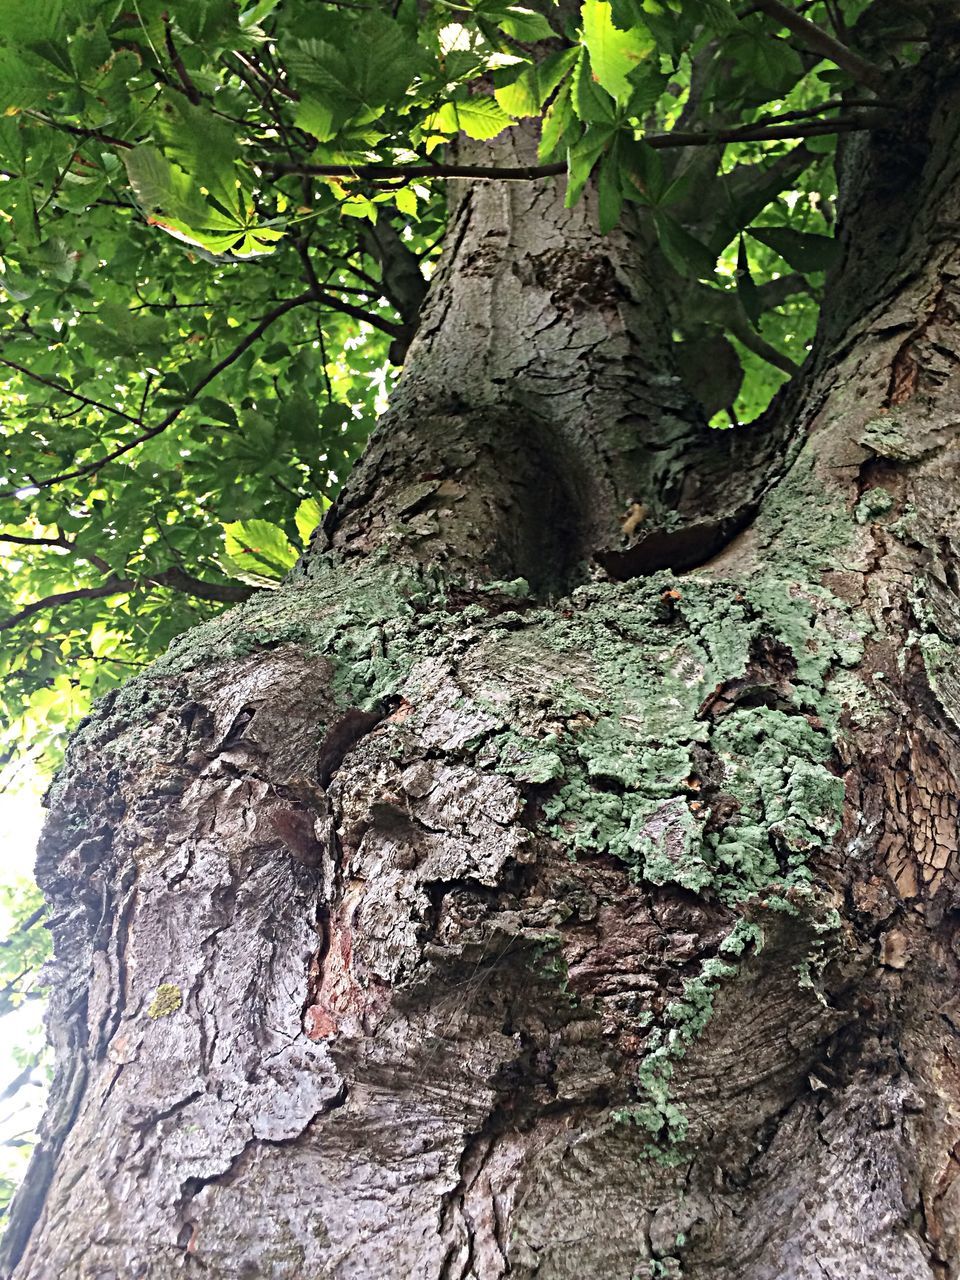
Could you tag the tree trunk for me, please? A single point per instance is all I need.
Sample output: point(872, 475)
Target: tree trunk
point(558, 876)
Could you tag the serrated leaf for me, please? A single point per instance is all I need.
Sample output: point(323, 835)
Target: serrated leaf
point(258, 548)
point(770, 62)
point(202, 145)
point(405, 198)
point(478, 117)
point(520, 96)
point(316, 117)
point(33, 22)
point(582, 157)
point(525, 24)
point(551, 71)
point(718, 15)
point(803, 250)
point(160, 186)
point(613, 53)
point(257, 13)
point(558, 119)
point(308, 515)
point(687, 255)
point(591, 103)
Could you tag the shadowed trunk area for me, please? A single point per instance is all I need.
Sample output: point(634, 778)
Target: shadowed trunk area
point(541, 425)
point(409, 923)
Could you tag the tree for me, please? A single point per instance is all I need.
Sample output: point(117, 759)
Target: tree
point(556, 875)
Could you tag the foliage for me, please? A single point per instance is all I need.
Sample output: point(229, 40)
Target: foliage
point(215, 221)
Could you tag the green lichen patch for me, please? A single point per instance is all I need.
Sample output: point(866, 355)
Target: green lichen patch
point(888, 437)
point(168, 999)
point(681, 724)
point(875, 502)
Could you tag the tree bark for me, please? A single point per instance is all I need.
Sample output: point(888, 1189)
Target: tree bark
point(423, 921)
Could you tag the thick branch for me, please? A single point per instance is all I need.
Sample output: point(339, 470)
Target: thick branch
point(114, 586)
point(221, 592)
point(175, 579)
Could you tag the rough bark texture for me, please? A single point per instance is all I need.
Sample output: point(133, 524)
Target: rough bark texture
point(410, 924)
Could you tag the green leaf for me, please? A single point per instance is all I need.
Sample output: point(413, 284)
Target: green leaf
point(478, 117)
point(520, 96)
point(613, 53)
point(582, 157)
point(718, 15)
point(556, 122)
point(202, 145)
point(33, 22)
point(803, 250)
point(590, 102)
point(316, 117)
point(308, 515)
point(688, 256)
point(525, 24)
point(610, 193)
point(162, 187)
point(765, 59)
point(257, 13)
point(257, 551)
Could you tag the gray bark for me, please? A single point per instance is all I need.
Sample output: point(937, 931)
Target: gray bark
point(415, 922)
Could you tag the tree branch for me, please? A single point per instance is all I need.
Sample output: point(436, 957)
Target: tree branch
point(23, 541)
point(221, 592)
point(113, 587)
point(526, 173)
point(19, 1080)
point(77, 131)
point(174, 579)
point(822, 42)
point(724, 309)
point(25, 925)
point(189, 88)
point(66, 391)
point(243, 346)
point(358, 313)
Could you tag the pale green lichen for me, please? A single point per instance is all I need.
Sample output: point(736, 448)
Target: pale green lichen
point(168, 999)
point(875, 502)
point(887, 437)
point(631, 731)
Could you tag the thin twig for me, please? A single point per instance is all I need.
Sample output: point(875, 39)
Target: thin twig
point(243, 346)
point(24, 926)
point(67, 391)
point(822, 42)
point(526, 173)
point(189, 88)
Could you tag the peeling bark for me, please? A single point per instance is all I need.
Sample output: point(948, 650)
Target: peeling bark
point(415, 922)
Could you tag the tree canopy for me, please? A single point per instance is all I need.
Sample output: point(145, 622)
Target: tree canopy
point(216, 227)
